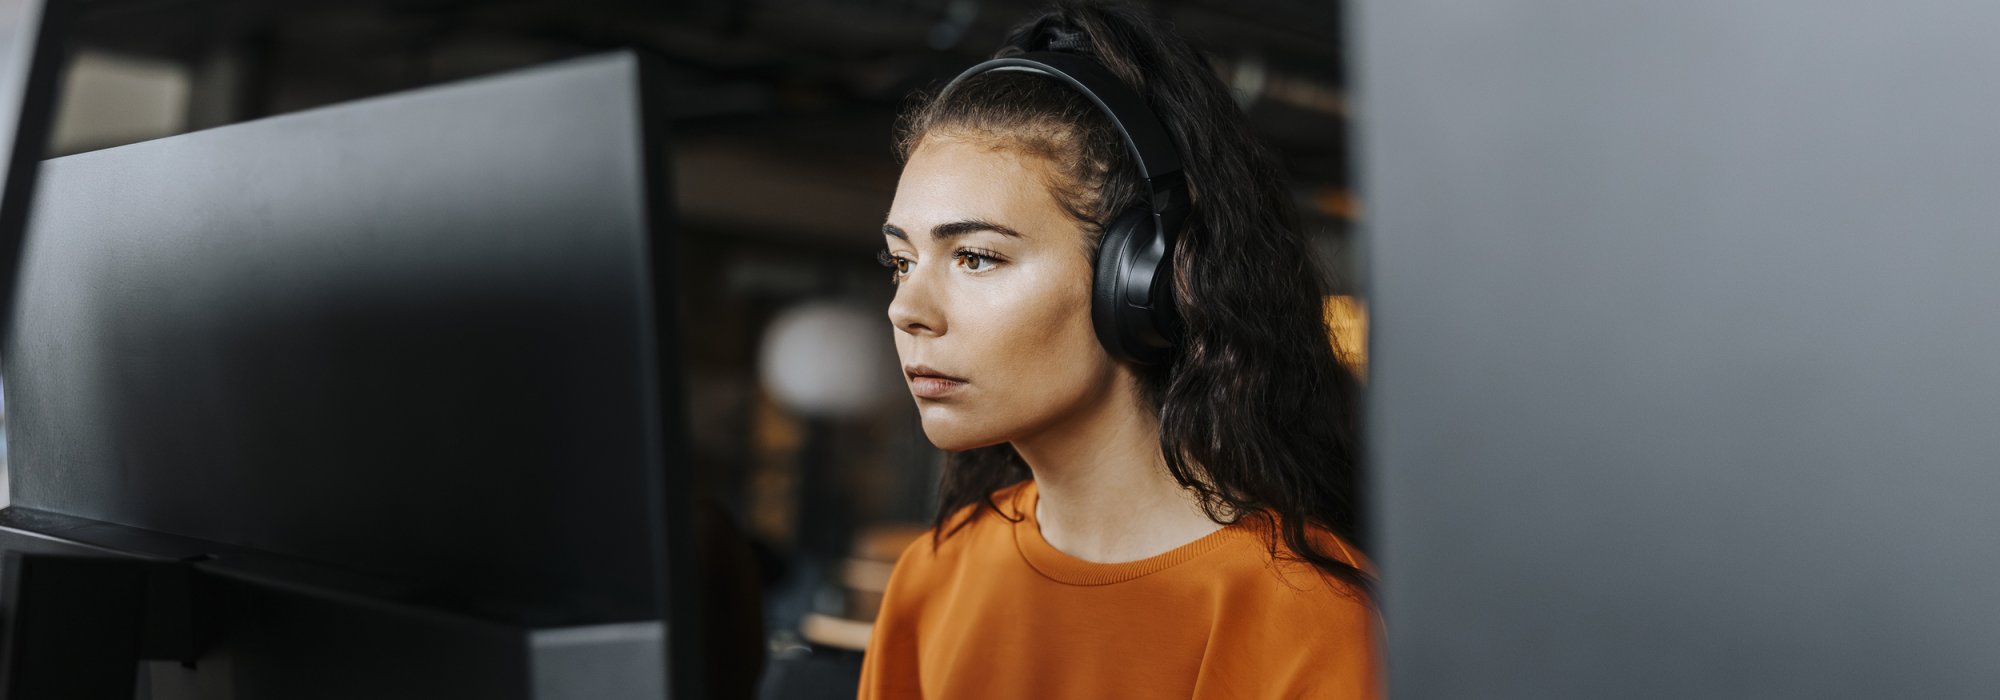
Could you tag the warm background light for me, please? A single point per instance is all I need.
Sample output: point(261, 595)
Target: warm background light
point(1347, 321)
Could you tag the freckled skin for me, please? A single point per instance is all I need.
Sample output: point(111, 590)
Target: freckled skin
point(1016, 325)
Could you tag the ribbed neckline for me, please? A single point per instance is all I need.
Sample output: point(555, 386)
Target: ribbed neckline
point(1063, 568)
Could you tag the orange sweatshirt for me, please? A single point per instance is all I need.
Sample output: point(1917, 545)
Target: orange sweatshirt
point(996, 612)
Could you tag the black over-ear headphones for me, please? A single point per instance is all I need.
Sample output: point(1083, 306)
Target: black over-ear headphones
point(1132, 295)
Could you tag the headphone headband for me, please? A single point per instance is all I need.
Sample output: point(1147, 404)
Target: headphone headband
point(1145, 137)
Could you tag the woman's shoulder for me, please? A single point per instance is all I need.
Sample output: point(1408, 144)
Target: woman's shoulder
point(1275, 610)
point(1301, 629)
point(1265, 562)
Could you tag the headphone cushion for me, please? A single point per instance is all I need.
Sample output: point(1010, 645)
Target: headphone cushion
point(1121, 327)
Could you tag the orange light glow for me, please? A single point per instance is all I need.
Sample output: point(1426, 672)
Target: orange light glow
point(1347, 320)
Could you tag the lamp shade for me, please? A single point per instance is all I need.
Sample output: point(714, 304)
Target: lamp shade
point(829, 359)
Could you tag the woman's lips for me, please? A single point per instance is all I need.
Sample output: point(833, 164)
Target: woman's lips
point(928, 387)
point(928, 383)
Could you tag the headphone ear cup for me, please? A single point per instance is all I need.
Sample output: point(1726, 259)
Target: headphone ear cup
point(1128, 332)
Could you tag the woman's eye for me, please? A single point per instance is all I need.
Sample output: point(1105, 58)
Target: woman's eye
point(897, 264)
point(975, 261)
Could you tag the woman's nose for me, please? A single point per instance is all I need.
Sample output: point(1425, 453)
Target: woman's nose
point(916, 310)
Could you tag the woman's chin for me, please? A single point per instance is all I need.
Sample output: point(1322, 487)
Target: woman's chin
point(952, 436)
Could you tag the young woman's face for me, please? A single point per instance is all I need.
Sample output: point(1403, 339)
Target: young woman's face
point(993, 291)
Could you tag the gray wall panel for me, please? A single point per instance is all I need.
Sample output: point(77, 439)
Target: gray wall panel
point(1686, 364)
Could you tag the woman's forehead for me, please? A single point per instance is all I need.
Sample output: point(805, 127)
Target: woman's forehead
point(948, 180)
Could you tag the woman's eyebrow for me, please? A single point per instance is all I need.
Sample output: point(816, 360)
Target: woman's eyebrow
point(955, 228)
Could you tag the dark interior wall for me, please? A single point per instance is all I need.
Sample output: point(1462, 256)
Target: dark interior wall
point(821, 78)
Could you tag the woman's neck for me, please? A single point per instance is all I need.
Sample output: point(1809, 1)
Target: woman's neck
point(1106, 495)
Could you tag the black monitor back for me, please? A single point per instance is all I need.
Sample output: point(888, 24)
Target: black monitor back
point(411, 346)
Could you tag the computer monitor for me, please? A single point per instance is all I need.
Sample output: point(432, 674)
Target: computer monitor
point(386, 394)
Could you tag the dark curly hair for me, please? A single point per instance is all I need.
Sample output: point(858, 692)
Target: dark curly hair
point(1257, 417)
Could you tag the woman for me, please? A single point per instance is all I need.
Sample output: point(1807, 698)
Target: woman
point(1119, 519)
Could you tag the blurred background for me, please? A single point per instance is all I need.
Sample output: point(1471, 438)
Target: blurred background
point(807, 447)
